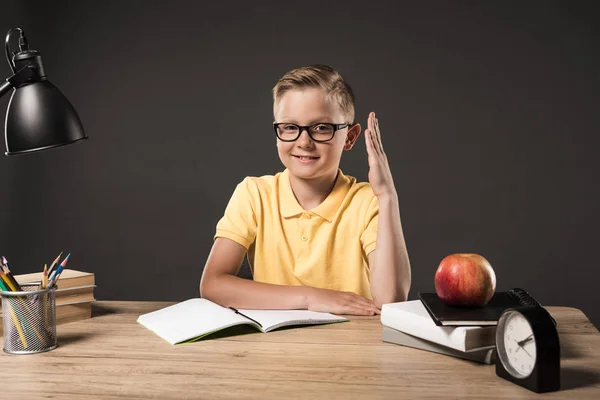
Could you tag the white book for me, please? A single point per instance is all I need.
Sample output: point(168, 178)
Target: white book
point(195, 318)
point(390, 335)
point(411, 317)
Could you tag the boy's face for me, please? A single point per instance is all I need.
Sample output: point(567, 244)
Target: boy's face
point(305, 158)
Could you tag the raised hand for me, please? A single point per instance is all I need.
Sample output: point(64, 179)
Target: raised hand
point(380, 175)
point(337, 302)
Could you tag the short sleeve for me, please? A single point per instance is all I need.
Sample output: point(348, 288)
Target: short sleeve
point(239, 221)
point(368, 238)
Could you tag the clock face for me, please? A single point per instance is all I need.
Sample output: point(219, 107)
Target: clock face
point(516, 344)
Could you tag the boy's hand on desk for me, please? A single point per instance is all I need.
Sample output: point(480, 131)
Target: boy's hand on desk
point(336, 302)
point(380, 175)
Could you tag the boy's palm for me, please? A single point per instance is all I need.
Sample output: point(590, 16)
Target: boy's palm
point(380, 175)
point(336, 302)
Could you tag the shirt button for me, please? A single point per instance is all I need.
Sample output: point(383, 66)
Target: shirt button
point(307, 216)
point(304, 238)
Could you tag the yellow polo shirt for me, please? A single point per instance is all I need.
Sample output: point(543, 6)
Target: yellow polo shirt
point(325, 247)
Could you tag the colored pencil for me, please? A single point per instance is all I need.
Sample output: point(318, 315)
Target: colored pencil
point(43, 283)
point(59, 270)
point(24, 318)
point(7, 282)
point(51, 269)
point(57, 273)
point(5, 287)
point(9, 275)
point(45, 277)
point(17, 325)
point(58, 276)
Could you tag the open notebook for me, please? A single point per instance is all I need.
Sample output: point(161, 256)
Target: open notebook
point(195, 318)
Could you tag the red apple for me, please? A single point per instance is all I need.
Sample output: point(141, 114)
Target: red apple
point(465, 280)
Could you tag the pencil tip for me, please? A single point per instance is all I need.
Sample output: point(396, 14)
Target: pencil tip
point(64, 262)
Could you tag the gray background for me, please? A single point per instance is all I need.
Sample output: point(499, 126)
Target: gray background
point(489, 116)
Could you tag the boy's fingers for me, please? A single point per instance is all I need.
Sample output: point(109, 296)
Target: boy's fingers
point(371, 129)
point(360, 305)
point(359, 311)
point(374, 144)
point(363, 304)
point(355, 300)
point(378, 136)
point(368, 304)
point(368, 142)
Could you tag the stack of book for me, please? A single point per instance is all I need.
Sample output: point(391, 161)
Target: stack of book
point(74, 294)
point(409, 324)
point(464, 332)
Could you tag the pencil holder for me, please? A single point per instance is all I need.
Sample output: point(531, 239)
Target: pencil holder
point(29, 319)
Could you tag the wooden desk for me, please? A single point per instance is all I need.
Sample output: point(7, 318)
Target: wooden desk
point(111, 357)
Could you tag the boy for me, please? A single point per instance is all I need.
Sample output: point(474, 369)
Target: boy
point(315, 238)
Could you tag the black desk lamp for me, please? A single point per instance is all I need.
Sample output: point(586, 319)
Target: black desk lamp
point(39, 116)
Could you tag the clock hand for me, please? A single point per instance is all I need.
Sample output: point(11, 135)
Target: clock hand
point(525, 352)
point(521, 347)
point(518, 348)
point(526, 340)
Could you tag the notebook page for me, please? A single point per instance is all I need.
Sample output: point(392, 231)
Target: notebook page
point(273, 319)
point(190, 319)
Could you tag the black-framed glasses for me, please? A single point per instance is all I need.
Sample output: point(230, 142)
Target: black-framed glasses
point(319, 132)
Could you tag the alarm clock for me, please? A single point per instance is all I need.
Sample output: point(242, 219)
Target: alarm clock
point(528, 349)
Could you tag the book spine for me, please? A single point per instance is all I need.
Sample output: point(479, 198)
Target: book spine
point(235, 310)
point(454, 338)
point(393, 336)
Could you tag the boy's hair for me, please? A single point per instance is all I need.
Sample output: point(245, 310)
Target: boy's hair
point(317, 76)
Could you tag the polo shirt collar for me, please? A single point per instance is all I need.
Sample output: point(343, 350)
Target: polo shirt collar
point(327, 209)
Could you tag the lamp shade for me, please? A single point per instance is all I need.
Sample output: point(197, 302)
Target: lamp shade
point(40, 117)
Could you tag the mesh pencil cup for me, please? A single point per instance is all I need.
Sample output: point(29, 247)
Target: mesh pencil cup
point(29, 319)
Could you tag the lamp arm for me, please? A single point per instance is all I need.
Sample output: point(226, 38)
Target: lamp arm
point(23, 45)
point(27, 73)
point(5, 88)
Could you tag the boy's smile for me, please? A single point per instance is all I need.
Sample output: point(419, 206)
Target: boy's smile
point(305, 159)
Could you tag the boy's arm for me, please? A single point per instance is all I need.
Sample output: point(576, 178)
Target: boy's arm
point(390, 266)
point(389, 262)
point(220, 284)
